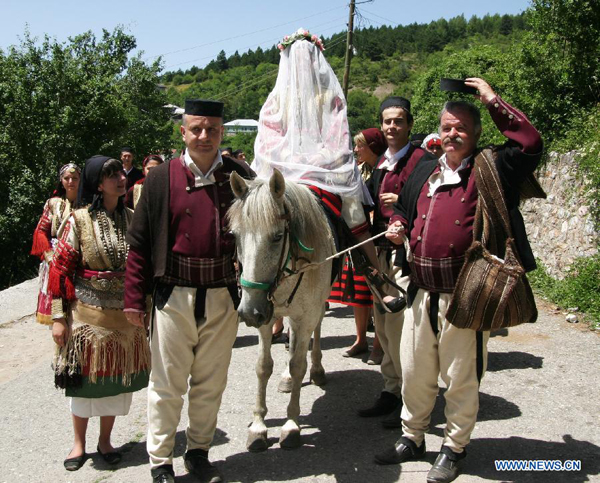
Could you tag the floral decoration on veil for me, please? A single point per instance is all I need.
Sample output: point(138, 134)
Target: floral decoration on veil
point(300, 34)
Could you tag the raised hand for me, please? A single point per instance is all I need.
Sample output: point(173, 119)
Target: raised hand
point(486, 93)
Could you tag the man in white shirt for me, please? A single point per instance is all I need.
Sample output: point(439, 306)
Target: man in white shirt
point(385, 184)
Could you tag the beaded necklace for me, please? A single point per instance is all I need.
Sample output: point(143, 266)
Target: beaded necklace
point(112, 231)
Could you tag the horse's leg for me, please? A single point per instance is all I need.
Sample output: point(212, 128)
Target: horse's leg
point(285, 383)
point(290, 432)
point(257, 433)
point(317, 373)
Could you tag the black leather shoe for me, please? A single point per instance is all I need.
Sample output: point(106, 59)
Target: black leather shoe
point(385, 404)
point(163, 474)
point(196, 462)
point(447, 466)
point(393, 420)
point(403, 450)
point(111, 458)
point(73, 464)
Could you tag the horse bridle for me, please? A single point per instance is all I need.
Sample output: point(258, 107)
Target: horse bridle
point(283, 271)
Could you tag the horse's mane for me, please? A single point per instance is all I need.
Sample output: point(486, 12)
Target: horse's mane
point(258, 211)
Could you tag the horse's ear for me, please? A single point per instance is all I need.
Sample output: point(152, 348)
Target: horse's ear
point(277, 184)
point(238, 185)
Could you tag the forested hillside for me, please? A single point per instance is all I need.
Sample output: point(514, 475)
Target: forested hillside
point(388, 60)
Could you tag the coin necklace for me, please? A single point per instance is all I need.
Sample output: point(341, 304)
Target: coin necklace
point(112, 236)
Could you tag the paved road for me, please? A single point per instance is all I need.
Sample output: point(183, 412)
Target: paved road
point(539, 400)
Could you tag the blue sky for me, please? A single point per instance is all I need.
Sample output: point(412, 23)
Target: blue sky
point(190, 33)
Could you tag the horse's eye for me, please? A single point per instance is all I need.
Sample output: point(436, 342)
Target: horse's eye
point(277, 237)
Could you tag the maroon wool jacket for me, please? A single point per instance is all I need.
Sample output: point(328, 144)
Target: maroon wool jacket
point(134, 175)
point(441, 226)
point(173, 215)
point(384, 181)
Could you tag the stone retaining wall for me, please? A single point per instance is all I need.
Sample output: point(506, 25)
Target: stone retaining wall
point(560, 228)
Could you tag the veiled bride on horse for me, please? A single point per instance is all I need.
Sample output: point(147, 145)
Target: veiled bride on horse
point(305, 173)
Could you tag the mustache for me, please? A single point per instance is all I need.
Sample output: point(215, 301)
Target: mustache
point(456, 139)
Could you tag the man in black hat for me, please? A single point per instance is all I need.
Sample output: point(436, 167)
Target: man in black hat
point(385, 184)
point(182, 252)
point(133, 174)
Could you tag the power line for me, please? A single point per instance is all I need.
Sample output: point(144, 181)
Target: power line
point(270, 41)
point(242, 35)
point(373, 22)
point(382, 18)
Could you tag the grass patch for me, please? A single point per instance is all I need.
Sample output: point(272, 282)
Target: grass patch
point(580, 288)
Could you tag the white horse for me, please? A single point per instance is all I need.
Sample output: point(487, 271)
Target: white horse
point(280, 228)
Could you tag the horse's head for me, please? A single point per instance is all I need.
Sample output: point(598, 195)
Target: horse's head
point(259, 221)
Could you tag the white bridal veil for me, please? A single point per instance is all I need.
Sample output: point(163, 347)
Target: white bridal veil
point(303, 129)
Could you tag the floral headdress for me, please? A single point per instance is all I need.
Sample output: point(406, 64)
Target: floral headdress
point(300, 34)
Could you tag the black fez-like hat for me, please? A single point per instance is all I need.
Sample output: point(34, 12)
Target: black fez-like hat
point(456, 85)
point(202, 107)
point(394, 101)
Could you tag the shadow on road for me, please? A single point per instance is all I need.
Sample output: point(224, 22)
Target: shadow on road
point(341, 312)
point(483, 452)
point(335, 440)
point(491, 408)
point(500, 361)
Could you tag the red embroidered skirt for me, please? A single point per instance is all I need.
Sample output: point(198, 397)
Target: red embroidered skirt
point(362, 295)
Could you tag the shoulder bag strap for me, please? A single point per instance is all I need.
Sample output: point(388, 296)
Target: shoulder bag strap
point(491, 194)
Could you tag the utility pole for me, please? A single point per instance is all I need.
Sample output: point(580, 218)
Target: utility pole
point(349, 50)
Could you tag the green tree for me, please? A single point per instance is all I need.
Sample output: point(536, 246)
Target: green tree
point(222, 63)
point(64, 102)
point(559, 71)
point(506, 25)
point(243, 141)
point(487, 62)
point(363, 109)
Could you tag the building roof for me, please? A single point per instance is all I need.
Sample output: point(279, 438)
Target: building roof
point(178, 111)
point(242, 122)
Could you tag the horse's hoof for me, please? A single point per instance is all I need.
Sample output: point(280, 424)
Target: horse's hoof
point(291, 440)
point(285, 385)
point(256, 443)
point(318, 378)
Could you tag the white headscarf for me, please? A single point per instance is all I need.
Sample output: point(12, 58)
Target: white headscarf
point(428, 138)
point(303, 128)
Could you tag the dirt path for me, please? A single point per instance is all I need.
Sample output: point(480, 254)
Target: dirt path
point(540, 399)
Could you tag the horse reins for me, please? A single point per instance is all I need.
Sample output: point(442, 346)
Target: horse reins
point(284, 272)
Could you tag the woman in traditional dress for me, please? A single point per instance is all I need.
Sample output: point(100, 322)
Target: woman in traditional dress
point(101, 359)
point(134, 193)
point(303, 132)
point(56, 210)
point(351, 289)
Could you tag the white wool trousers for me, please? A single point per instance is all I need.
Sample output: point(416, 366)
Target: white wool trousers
point(458, 356)
point(188, 357)
point(388, 328)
